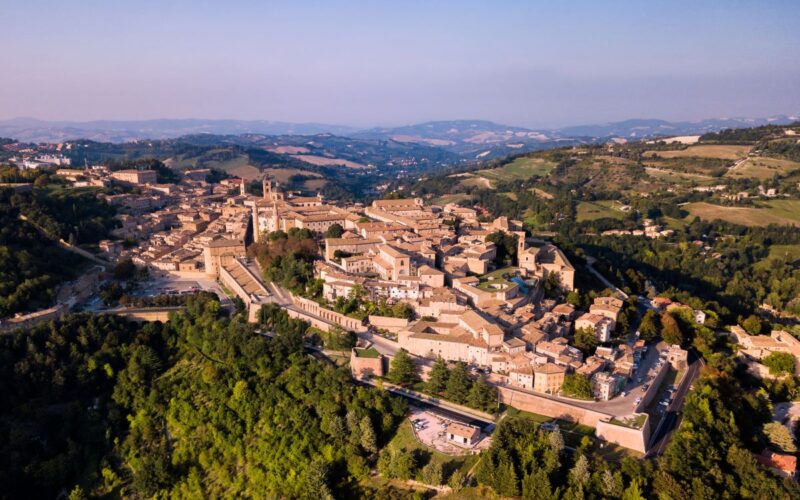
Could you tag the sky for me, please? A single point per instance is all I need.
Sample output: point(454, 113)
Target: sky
point(376, 62)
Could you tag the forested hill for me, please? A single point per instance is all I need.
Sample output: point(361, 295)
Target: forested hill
point(204, 407)
point(32, 264)
point(200, 407)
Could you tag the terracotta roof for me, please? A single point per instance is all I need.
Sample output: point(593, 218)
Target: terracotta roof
point(463, 430)
point(785, 463)
point(549, 369)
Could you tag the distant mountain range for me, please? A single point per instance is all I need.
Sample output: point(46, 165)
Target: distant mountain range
point(476, 139)
point(34, 130)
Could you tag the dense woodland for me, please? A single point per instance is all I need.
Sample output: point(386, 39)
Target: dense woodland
point(206, 407)
point(32, 264)
point(199, 407)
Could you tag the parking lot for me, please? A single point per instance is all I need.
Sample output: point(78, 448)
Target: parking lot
point(625, 403)
point(168, 285)
point(431, 430)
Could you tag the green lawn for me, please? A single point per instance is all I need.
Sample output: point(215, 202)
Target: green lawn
point(369, 352)
point(494, 281)
point(592, 210)
point(634, 423)
point(789, 252)
point(519, 169)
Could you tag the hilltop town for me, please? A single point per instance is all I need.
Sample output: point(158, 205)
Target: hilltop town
point(475, 297)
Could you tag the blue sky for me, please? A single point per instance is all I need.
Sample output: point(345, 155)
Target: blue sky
point(372, 62)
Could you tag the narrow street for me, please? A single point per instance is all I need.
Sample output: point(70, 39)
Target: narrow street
point(673, 414)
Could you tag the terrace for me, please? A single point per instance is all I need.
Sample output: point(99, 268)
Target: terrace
point(369, 352)
point(498, 281)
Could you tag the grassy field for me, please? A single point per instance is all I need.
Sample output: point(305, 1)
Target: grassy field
point(724, 152)
point(325, 161)
point(789, 252)
point(519, 169)
point(282, 175)
point(762, 168)
point(592, 210)
point(679, 177)
point(405, 439)
point(449, 198)
point(786, 212)
point(471, 180)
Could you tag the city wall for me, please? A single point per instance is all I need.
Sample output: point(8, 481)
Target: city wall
point(634, 439)
point(389, 324)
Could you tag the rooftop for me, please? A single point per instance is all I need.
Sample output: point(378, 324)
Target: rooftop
point(369, 352)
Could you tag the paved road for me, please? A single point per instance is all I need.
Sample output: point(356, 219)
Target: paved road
point(591, 260)
point(443, 408)
point(673, 414)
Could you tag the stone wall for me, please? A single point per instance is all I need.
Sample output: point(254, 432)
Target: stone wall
point(634, 439)
point(387, 323)
point(550, 407)
point(32, 319)
point(346, 322)
point(366, 367)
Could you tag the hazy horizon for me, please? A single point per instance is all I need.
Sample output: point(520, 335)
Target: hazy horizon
point(363, 64)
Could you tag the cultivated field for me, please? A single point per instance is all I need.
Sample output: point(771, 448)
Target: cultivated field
point(588, 210)
point(519, 169)
point(679, 177)
point(289, 150)
point(723, 152)
point(785, 212)
point(542, 194)
point(324, 161)
point(282, 175)
point(762, 168)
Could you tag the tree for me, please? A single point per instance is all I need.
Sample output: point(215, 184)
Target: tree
point(437, 378)
point(779, 363)
point(458, 384)
point(124, 270)
point(537, 486)
point(585, 340)
point(368, 440)
point(457, 481)
point(506, 479)
point(577, 385)
point(579, 474)
point(403, 464)
point(650, 325)
point(780, 437)
point(334, 231)
point(403, 369)
point(633, 492)
point(612, 483)
point(432, 473)
point(574, 298)
point(670, 329)
point(556, 441)
point(317, 480)
point(506, 245)
point(752, 324)
point(482, 396)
